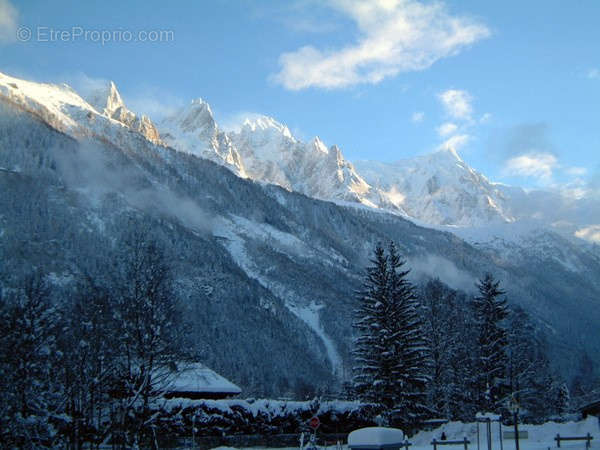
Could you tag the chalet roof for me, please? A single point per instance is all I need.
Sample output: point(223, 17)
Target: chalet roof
point(197, 378)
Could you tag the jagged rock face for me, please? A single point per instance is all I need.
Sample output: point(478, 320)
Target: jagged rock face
point(435, 189)
point(271, 154)
point(107, 101)
point(193, 130)
point(439, 189)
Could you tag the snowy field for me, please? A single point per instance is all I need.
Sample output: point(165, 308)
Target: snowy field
point(540, 437)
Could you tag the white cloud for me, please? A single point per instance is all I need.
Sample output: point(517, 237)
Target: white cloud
point(446, 129)
point(153, 102)
point(8, 21)
point(593, 73)
point(84, 84)
point(417, 116)
point(455, 142)
point(591, 233)
point(457, 103)
point(395, 36)
point(536, 165)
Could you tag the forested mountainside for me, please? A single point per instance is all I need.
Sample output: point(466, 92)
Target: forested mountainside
point(268, 276)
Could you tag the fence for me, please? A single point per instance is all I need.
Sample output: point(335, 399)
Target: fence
point(464, 442)
point(587, 438)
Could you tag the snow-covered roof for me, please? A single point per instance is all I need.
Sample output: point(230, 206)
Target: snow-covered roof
point(376, 438)
point(487, 416)
point(197, 378)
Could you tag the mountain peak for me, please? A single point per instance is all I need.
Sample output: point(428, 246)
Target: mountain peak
point(446, 154)
point(318, 144)
point(336, 154)
point(266, 124)
point(197, 116)
point(106, 99)
point(201, 105)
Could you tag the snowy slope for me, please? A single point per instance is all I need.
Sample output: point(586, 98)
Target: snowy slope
point(271, 154)
point(193, 129)
point(60, 106)
point(266, 151)
point(438, 189)
point(434, 189)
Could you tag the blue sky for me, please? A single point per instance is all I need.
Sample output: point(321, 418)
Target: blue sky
point(514, 86)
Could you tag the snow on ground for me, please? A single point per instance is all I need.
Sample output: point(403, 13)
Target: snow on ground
point(541, 437)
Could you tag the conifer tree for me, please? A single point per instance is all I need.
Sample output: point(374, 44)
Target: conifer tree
point(529, 377)
point(410, 348)
point(367, 323)
point(563, 400)
point(449, 330)
point(491, 364)
point(390, 349)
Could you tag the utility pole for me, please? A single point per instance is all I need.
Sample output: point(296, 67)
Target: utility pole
point(514, 406)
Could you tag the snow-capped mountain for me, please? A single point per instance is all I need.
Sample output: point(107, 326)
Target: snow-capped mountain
point(193, 130)
point(438, 189)
point(105, 115)
point(266, 151)
point(107, 101)
point(74, 171)
point(271, 154)
point(435, 189)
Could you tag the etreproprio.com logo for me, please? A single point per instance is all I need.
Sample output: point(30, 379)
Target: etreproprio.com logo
point(81, 34)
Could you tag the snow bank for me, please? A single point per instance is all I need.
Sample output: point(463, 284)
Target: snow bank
point(539, 436)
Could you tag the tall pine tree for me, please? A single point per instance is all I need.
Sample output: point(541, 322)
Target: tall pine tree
point(411, 359)
point(390, 349)
point(491, 359)
point(367, 323)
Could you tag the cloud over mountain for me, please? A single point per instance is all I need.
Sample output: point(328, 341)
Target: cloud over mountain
point(395, 36)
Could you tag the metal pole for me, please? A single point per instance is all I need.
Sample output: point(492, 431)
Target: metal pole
point(194, 431)
point(489, 433)
point(478, 435)
point(500, 433)
point(516, 419)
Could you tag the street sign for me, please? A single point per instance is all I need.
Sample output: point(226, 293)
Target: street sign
point(314, 423)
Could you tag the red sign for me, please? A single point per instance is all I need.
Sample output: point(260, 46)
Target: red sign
point(314, 423)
